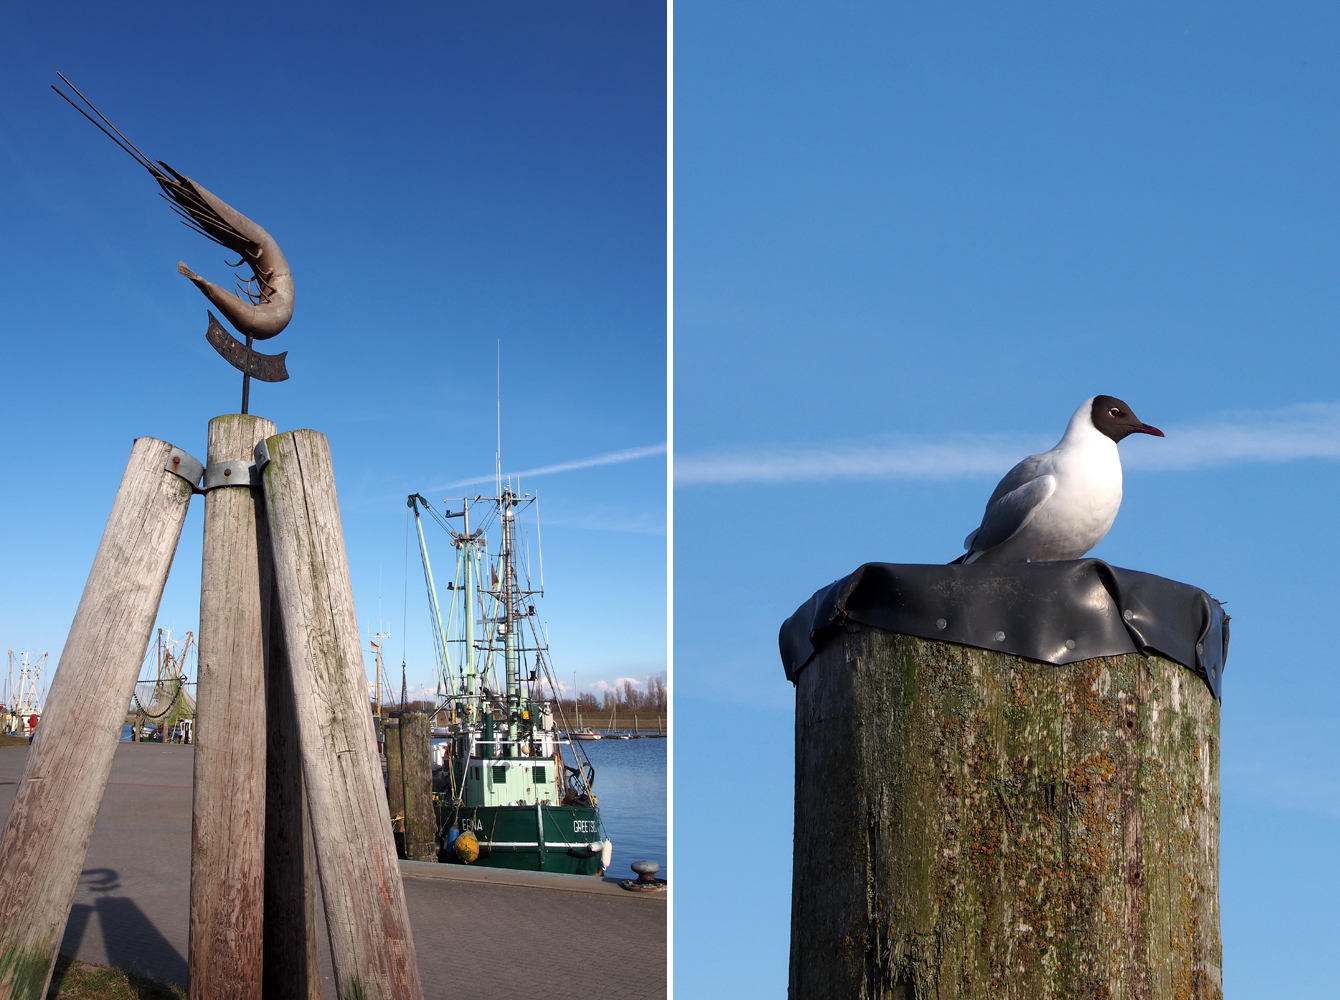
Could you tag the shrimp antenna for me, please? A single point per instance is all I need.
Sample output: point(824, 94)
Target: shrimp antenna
point(129, 147)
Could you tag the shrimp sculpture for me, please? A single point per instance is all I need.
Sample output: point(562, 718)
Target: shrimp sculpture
point(262, 305)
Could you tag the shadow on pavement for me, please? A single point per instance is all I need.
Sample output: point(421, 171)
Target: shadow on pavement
point(129, 937)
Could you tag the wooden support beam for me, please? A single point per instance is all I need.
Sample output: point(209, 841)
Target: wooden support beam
point(228, 810)
point(371, 944)
point(45, 838)
point(974, 824)
point(416, 754)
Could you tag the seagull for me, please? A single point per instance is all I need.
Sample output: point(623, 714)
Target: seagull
point(1060, 504)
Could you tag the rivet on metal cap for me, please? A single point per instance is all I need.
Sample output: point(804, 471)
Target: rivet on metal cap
point(941, 623)
point(1200, 648)
point(1070, 644)
point(181, 464)
point(1128, 614)
point(1000, 637)
point(221, 474)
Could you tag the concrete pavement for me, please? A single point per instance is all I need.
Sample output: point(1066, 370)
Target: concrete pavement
point(476, 931)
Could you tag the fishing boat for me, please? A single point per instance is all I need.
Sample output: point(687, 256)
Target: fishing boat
point(514, 789)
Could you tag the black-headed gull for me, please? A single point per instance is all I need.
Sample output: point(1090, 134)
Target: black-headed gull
point(1060, 504)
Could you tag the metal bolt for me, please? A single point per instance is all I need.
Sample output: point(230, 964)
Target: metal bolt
point(1200, 648)
point(1000, 637)
point(176, 460)
point(941, 623)
point(1070, 644)
point(1128, 614)
point(227, 472)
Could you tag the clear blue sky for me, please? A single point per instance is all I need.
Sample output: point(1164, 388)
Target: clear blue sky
point(440, 177)
point(908, 242)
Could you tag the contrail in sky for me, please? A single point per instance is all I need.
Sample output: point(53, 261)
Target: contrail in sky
point(609, 458)
point(1291, 433)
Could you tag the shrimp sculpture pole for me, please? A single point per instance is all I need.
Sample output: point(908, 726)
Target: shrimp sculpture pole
point(268, 303)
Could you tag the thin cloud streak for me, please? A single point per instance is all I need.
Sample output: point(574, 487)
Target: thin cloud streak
point(1291, 433)
point(609, 458)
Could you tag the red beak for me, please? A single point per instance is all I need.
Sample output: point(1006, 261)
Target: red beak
point(1146, 429)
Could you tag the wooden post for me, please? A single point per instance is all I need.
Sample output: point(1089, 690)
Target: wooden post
point(292, 969)
point(395, 781)
point(416, 755)
point(371, 945)
point(45, 839)
point(228, 808)
point(974, 824)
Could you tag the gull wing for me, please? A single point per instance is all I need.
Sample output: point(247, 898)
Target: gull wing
point(1009, 513)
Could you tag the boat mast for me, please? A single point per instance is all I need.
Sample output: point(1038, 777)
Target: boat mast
point(468, 618)
point(508, 622)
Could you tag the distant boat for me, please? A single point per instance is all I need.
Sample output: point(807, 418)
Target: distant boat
point(585, 733)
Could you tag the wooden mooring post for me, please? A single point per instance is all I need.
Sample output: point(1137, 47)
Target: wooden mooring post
point(416, 756)
point(45, 838)
point(395, 780)
point(228, 807)
point(371, 944)
point(975, 824)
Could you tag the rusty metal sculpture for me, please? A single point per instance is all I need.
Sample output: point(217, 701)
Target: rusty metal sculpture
point(268, 303)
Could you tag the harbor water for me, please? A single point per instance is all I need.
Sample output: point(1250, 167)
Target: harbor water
point(631, 786)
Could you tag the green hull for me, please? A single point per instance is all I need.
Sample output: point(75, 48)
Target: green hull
point(509, 837)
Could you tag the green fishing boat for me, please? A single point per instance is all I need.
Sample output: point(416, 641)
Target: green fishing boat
point(511, 787)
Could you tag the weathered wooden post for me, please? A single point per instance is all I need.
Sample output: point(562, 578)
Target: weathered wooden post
point(291, 965)
point(371, 944)
point(972, 822)
point(395, 781)
point(416, 756)
point(228, 808)
point(45, 838)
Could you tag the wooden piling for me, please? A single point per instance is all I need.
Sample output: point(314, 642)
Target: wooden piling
point(292, 969)
point(45, 838)
point(395, 781)
point(974, 824)
point(228, 808)
point(371, 944)
point(416, 755)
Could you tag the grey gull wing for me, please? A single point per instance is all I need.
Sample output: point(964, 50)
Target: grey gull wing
point(1010, 513)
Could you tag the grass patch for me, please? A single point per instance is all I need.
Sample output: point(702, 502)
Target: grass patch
point(78, 980)
point(6, 740)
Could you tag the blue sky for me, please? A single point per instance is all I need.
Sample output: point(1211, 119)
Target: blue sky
point(440, 177)
point(908, 243)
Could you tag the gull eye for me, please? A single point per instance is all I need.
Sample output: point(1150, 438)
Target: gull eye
point(1115, 411)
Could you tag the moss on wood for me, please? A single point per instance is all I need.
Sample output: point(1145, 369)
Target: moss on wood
point(971, 824)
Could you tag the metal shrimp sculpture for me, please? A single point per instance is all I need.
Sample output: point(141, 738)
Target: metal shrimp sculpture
point(262, 305)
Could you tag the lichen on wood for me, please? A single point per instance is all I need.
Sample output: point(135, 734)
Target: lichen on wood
point(972, 824)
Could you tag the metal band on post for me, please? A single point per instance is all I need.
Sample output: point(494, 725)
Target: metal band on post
point(240, 473)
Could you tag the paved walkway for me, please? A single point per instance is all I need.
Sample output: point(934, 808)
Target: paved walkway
point(478, 932)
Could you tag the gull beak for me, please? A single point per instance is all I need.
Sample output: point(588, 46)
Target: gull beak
point(1147, 429)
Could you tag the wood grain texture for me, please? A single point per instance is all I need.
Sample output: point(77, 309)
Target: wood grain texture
point(416, 757)
point(45, 838)
point(371, 945)
point(971, 824)
point(292, 970)
point(395, 778)
point(228, 807)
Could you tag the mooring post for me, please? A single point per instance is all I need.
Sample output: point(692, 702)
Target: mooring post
point(985, 824)
point(228, 807)
point(416, 755)
point(395, 780)
point(371, 944)
point(45, 838)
